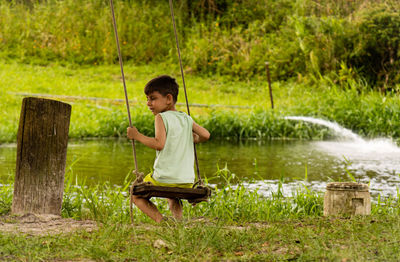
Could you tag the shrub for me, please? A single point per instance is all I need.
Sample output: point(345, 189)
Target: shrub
point(378, 45)
point(305, 39)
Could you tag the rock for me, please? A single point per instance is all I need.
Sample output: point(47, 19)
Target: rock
point(160, 244)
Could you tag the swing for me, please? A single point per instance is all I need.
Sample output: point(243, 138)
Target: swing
point(199, 192)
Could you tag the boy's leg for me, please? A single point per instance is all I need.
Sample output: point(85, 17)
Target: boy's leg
point(148, 208)
point(175, 205)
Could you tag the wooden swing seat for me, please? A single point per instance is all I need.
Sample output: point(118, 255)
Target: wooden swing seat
point(196, 194)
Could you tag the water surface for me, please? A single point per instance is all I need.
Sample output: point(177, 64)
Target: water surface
point(260, 164)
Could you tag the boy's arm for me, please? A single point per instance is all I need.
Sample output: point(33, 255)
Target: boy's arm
point(200, 134)
point(156, 142)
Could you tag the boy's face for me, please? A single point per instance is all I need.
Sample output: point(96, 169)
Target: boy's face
point(158, 103)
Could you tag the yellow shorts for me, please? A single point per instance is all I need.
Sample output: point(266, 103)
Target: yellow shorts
point(150, 179)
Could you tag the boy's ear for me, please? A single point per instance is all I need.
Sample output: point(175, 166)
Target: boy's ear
point(170, 98)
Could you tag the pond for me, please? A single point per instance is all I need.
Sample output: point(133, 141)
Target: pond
point(258, 164)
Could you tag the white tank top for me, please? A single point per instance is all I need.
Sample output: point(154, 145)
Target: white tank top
point(174, 163)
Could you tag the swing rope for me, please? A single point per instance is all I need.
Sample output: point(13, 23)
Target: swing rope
point(199, 181)
point(123, 81)
point(136, 172)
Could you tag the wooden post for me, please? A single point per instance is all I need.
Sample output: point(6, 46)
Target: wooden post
point(41, 156)
point(269, 84)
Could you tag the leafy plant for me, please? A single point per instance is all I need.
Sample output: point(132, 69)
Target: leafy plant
point(378, 44)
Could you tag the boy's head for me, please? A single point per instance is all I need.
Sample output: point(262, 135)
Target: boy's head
point(164, 85)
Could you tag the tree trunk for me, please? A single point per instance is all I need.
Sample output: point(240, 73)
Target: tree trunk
point(41, 156)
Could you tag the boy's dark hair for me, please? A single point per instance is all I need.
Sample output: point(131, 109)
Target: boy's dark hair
point(164, 85)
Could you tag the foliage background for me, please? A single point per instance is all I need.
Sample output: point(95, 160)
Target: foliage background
point(304, 39)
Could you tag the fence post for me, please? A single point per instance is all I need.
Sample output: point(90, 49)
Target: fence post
point(269, 84)
point(41, 156)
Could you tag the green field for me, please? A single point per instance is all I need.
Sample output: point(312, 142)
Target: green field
point(368, 113)
point(312, 239)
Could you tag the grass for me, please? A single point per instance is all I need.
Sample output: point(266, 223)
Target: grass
point(232, 202)
point(311, 239)
point(368, 113)
point(237, 224)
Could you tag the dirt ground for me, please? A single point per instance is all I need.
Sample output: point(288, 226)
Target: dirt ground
point(33, 224)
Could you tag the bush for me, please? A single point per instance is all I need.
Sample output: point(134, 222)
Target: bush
point(81, 31)
point(305, 39)
point(377, 52)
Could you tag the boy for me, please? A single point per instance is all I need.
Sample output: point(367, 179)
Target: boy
point(175, 133)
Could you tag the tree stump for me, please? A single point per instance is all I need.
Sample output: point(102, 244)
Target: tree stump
point(41, 156)
point(347, 199)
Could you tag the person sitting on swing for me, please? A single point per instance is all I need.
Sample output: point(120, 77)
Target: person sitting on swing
point(175, 133)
